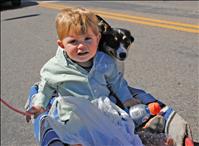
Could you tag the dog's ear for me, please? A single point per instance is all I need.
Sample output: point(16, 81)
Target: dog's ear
point(102, 24)
point(132, 39)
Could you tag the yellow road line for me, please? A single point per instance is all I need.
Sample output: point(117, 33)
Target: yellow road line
point(154, 24)
point(135, 19)
point(149, 19)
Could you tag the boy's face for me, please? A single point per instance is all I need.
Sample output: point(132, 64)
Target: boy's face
point(80, 48)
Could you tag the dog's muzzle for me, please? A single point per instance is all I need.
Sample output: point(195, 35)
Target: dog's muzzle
point(122, 56)
point(121, 53)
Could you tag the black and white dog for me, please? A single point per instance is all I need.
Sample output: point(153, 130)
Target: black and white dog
point(114, 41)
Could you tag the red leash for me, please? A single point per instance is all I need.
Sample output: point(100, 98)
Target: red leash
point(14, 109)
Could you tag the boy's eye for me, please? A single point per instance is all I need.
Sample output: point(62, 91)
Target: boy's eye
point(88, 40)
point(74, 42)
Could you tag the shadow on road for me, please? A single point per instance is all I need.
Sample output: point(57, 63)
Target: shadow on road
point(8, 5)
point(25, 16)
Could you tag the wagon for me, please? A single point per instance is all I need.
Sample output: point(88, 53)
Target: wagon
point(174, 126)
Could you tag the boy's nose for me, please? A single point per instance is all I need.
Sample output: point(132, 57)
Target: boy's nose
point(81, 46)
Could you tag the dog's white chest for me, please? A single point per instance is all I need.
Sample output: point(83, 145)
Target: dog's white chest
point(120, 65)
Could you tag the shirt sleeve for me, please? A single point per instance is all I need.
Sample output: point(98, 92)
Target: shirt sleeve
point(45, 92)
point(118, 84)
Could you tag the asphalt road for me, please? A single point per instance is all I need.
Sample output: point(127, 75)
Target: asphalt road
point(163, 60)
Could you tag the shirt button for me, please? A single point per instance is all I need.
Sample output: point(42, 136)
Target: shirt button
point(105, 66)
point(95, 90)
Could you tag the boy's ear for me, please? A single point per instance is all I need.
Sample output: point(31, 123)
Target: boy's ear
point(59, 43)
point(99, 37)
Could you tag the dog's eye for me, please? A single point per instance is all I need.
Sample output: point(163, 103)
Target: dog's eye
point(127, 40)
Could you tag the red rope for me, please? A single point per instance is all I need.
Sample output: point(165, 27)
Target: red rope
point(14, 109)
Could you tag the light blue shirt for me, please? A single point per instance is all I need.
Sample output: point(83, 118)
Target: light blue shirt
point(70, 79)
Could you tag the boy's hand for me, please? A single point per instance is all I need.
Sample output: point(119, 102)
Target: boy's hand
point(35, 110)
point(131, 102)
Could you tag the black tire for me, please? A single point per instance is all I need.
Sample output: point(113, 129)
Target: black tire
point(16, 2)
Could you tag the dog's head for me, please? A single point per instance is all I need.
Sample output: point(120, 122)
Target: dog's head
point(114, 41)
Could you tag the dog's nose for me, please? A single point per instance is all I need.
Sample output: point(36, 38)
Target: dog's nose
point(122, 55)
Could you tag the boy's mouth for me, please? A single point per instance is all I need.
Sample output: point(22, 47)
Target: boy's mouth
point(82, 53)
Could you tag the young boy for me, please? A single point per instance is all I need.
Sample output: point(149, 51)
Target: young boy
point(78, 68)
